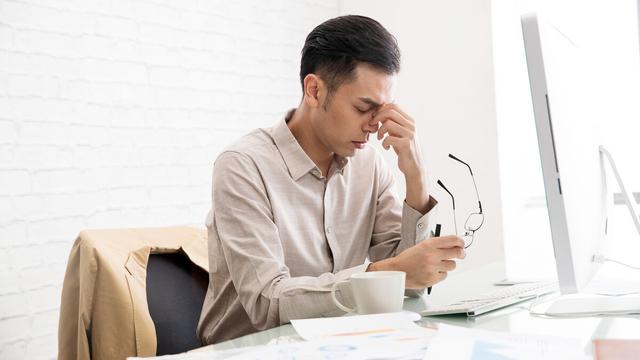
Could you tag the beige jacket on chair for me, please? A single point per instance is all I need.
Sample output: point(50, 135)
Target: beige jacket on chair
point(104, 309)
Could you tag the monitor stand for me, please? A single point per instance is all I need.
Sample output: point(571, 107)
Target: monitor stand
point(593, 305)
point(628, 199)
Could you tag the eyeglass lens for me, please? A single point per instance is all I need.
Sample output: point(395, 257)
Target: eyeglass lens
point(474, 221)
point(468, 238)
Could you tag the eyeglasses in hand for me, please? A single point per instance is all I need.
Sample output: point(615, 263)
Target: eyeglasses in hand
point(474, 220)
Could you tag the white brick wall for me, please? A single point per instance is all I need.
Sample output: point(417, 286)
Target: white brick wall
point(111, 113)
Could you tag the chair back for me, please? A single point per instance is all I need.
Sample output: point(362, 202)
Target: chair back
point(175, 293)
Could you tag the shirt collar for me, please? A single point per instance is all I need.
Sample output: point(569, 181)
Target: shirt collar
point(294, 157)
point(297, 161)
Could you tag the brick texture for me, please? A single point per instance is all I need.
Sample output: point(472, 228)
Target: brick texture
point(111, 114)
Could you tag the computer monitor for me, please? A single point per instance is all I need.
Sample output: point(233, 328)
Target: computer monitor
point(567, 115)
point(568, 140)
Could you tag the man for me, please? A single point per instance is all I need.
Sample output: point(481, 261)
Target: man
point(306, 203)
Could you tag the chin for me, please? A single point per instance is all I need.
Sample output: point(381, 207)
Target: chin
point(348, 153)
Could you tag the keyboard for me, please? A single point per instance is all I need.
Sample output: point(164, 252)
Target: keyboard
point(495, 299)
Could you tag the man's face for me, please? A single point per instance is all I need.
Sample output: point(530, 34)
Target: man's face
point(343, 126)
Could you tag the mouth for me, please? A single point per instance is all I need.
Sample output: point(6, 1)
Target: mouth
point(359, 144)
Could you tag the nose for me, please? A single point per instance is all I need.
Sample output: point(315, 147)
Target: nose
point(371, 126)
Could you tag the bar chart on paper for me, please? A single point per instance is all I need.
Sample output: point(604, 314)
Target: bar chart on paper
point(483, 350)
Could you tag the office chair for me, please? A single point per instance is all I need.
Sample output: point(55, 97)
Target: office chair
point(176, 288)
point(115, 280)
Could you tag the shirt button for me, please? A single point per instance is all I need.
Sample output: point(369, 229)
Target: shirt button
point(420, 225)
point(329, 230)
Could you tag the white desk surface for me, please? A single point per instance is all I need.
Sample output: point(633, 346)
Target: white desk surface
point(514, 319)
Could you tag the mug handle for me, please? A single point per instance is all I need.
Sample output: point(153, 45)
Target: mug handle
point(336, 301)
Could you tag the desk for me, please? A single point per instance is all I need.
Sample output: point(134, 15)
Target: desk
point(514, 319)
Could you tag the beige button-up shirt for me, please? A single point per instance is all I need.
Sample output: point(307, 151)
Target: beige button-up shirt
point(280, 233)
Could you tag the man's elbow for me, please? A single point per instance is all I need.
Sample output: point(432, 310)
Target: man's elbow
point(263, 313)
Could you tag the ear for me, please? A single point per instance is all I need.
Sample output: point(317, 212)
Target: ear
point(314, 90)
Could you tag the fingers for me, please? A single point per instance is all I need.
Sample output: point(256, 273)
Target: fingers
point(396, 142)
point(394, 113)
point(443, 270)
point(395, 129)
point(442, 276)
point(448, 265)
point(445, 242)
point(399, 110)
point(452, 253)
point(429, 261)
point(395, 122)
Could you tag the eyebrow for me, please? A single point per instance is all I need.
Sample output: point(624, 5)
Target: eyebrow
point(370, 101)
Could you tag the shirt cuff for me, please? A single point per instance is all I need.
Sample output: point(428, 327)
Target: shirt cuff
point(415, 225)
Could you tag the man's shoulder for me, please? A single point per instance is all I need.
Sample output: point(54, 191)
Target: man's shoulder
point(256, 145)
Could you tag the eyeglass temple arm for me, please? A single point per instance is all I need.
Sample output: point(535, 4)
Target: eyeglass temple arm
point(472, 179)
point(453, 200)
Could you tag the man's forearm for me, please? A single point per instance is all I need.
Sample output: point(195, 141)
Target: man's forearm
point(417, 193)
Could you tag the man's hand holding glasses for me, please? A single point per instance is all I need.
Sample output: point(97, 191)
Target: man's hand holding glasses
point(474, 220)
point(429, 262)
point(426, 263)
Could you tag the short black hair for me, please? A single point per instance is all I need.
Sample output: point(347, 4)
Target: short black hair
point(334, 48)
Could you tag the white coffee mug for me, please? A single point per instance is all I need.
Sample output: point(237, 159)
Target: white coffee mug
point(373, 292)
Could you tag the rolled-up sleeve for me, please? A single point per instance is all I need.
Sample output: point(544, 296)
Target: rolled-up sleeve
point(254, 253)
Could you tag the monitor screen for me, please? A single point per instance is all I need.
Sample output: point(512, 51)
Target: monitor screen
point(564, 95)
